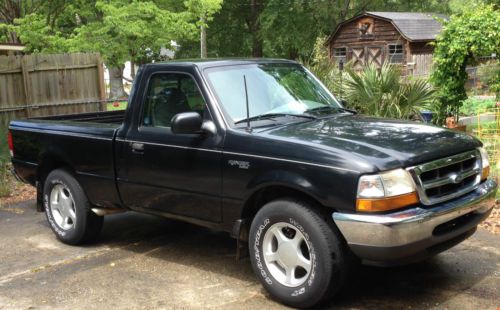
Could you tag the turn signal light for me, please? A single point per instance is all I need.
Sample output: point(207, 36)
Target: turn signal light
point(486, 173)
point(386, 204)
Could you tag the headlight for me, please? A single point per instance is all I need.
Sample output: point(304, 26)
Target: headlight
point(386, 191)
point(485, 163)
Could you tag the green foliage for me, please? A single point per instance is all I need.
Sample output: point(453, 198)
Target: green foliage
point(5, 176)
point(4, 32)
point(130, 31)
point(4, 162)
point(38, 36)
point(203, 10)
point(382, 92)
point(489, 75)
point(474, 33)
point(473, 106)
point(120, 30)
point(325, 69)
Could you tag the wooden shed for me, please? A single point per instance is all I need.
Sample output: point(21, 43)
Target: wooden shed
point(397, 37)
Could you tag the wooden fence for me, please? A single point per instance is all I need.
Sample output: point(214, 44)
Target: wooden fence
point(41, 85)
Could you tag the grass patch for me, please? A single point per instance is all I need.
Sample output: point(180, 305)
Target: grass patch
point(116, 106)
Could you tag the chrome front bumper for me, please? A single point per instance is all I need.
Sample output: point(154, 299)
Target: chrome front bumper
point(413, 234)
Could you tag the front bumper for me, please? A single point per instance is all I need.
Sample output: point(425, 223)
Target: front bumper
point(414, 234)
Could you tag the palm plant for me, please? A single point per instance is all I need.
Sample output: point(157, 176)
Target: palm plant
point(383, 92)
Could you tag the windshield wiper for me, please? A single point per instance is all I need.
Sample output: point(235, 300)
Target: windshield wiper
point(273, 115)
point(330, 108)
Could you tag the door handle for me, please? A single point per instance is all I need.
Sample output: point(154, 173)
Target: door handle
point(137, 148)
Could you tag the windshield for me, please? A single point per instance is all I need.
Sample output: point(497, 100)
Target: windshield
point(272, 89)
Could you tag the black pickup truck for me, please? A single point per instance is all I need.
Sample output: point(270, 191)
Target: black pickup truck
point(262, 150)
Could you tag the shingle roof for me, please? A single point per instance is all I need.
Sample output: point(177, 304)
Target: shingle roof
point(414, 26)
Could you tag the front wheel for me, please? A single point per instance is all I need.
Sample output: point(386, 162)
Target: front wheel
point(298, 257)
point(68, 209)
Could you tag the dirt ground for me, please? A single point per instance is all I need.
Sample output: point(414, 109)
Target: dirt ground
point(145, 262)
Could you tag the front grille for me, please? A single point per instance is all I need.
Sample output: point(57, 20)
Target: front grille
point(447, 178)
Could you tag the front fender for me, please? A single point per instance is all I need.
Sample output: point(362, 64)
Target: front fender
point(287, 179)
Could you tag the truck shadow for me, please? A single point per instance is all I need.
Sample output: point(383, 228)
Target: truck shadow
point(426, 284)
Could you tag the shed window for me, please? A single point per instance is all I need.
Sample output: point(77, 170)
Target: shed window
point(396, 53)
point(340, 54)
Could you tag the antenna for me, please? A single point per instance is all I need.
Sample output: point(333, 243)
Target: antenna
point(249, 129)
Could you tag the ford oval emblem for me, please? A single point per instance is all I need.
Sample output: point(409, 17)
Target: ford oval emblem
point(455, 178)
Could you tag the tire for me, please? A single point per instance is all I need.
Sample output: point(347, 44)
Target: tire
point(68, 210)
point(320, 259)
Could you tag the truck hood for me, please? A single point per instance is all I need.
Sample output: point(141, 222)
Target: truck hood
point(382, 143)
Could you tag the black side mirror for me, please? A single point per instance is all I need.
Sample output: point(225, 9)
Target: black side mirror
point(186, 123)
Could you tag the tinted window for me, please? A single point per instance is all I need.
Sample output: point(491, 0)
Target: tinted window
point(168, 95)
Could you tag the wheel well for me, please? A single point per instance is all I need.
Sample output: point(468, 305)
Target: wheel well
point(270, 193)
point(48, 165)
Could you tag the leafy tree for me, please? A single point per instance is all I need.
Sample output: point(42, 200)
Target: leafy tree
point(120, 30)
point(133, 31)
point(465, 37)
point(10, 10)
point(203, 11)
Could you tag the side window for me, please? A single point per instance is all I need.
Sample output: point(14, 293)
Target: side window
point(396, 54)
point(169, 94)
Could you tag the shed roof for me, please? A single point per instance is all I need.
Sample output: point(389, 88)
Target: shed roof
point(412, 26)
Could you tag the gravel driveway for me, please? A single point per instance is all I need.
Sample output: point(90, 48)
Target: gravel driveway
point(147, 262)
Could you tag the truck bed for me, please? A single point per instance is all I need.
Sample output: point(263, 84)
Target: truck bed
point(83, 142)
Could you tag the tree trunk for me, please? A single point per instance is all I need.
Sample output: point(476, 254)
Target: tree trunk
point(255, 28)
point(293, 54)
point(132, 69)
point(203, 38)
point(116, 90)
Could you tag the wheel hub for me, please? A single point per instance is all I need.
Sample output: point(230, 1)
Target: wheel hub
point(287, 254)
point(62, 207)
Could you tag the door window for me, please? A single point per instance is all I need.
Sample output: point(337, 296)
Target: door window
point(169, 94)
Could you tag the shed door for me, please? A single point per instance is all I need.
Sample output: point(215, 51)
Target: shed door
point(374, 55)
point(358, 57)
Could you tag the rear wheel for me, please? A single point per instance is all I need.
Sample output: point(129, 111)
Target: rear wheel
point(299, 258)
point(68, 210)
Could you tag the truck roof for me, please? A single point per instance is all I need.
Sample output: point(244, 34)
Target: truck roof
point(216, 62)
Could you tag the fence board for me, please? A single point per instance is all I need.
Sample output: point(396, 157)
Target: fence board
point(41, 85)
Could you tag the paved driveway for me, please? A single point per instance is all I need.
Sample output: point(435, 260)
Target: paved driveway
point(147, 262)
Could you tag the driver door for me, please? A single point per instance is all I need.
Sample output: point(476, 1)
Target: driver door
point(178, 174)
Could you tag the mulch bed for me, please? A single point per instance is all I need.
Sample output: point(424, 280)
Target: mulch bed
point(19, 192)
point(492, 223)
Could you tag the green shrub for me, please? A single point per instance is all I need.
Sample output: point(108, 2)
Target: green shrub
point(382, 92)
point(472, 106)
point(324, 68)
point(4, 163)
point(465, 38)
point(5, 175)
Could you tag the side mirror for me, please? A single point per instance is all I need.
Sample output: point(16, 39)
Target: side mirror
point(343, 102)
point(186, 123)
